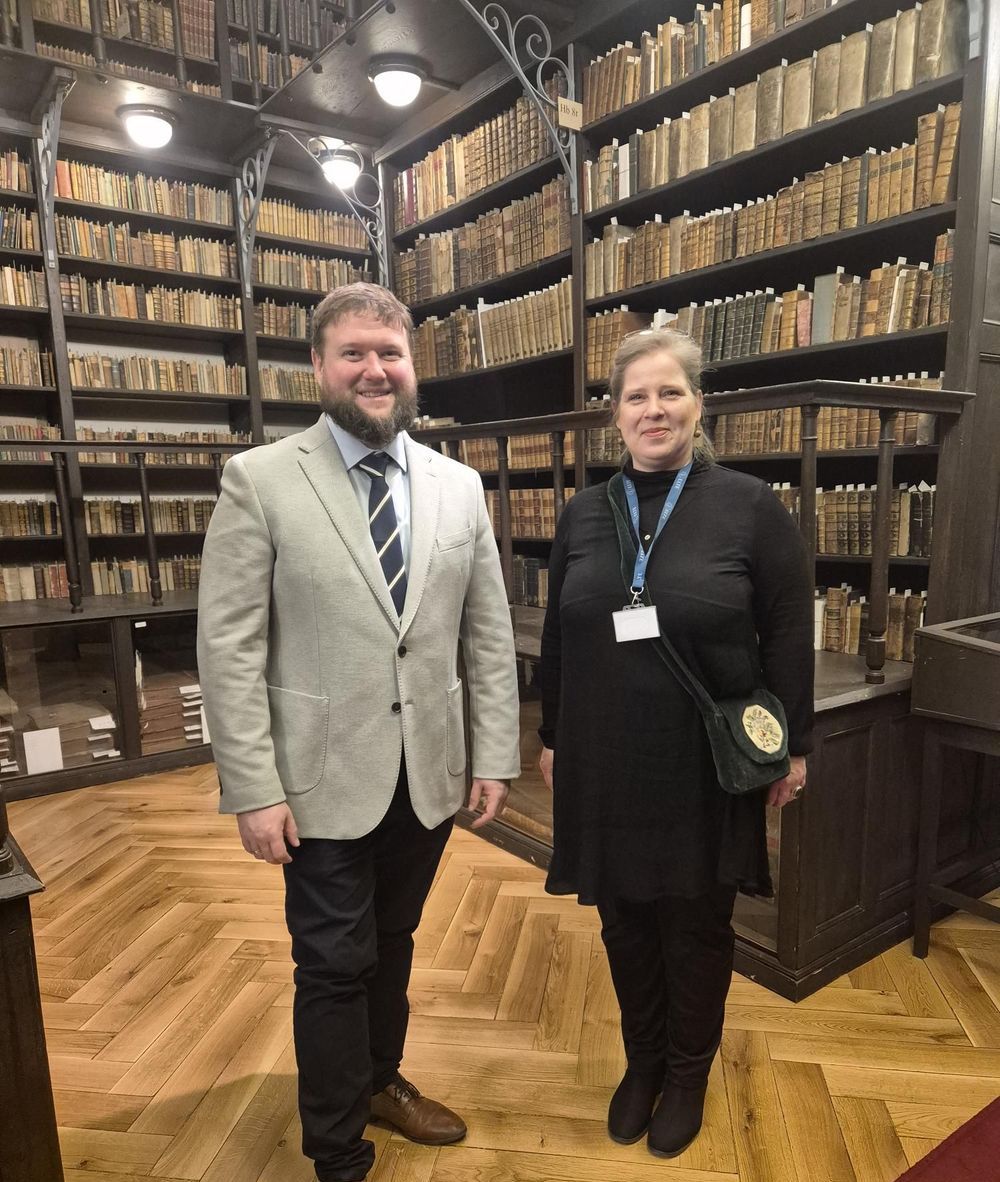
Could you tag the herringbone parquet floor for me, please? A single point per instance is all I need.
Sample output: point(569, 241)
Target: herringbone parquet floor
point(165, 972)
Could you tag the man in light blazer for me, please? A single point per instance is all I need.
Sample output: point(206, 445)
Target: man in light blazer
point(343, 568)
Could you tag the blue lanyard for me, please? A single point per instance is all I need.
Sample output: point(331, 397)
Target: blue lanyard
point(642, 556)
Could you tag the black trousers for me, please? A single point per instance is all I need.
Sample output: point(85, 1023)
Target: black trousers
point(671, 963)
point(351, 908)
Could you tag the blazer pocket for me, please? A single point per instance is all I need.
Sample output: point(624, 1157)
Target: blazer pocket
point(298, 730)
point(460, 538)
point(455, 756)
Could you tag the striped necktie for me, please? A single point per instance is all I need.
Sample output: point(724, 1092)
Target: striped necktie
point(384, 526)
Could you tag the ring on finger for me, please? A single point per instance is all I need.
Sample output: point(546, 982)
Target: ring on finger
point(797, 791)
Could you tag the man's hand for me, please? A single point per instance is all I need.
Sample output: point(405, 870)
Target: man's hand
point(491, 794)
point(265, 831)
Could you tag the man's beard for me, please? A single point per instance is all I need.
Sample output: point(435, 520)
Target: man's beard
point(375, 432)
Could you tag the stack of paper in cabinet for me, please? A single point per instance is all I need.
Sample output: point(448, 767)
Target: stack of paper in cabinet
point(9, 765)
point(68, 735)
point(170, 712)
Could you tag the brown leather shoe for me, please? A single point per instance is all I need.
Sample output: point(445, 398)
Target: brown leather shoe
point(425, 1121)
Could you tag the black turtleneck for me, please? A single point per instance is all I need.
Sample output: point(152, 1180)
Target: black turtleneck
point(651, 490)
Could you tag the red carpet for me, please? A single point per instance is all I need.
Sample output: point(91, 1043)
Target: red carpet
point(970, 1154)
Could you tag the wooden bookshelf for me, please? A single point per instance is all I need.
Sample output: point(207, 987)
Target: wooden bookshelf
point(85, 264)
point(538, 274)
point(142, 217)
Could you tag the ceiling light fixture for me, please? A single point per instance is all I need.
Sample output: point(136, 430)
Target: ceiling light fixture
point(147, 127)
point(341, 163)
point(397, 79)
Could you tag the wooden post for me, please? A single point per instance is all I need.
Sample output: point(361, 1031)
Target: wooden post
point(503, 496)
point(155, 588)
point(286, 61)
point(217, 469)
point(97, 33)
point(807, 482)
point(68, 536)
point(179, 64)
point(252, 53)
point(558, 472)
point(878, 608)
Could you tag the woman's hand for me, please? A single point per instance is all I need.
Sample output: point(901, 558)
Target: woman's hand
point(545, 766)
point(789, 788)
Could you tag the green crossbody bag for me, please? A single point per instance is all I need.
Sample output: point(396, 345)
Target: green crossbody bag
point(749, 734)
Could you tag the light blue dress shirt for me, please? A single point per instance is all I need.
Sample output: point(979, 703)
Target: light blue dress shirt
point(353, 452)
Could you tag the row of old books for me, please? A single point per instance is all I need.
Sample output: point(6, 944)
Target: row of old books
point(853, 192)
point(531, 581)
point(136, 301)
point(26, 365)
point(532, 511)
point(124, 515)
point(321, 226)
point(113, 242)
point(842, 615)
point(285, 384)
point(28, 429)
point(147, 21)
point(770, 432)
point(22, 287)
point(845, 518)
point(15, 172)
point(896, 297)
point(19, 229)
point(37, 580)
point(495, 244)
point(298, 19)
point(79, 57)
point(178, 458)
point(465, 164)
point(524, 452)
point(172, 375)
point(631, 72)
point(269, 63)
point(529, 326)
point(283, 268)
point(114, 576)
point(281, 320)
point(842, 76)
point(77, 181)
point(29, 517)
point(171, 714)
point(68, 734)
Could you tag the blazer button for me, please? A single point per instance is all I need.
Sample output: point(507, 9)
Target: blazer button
point(401, 650)
point(396, 708)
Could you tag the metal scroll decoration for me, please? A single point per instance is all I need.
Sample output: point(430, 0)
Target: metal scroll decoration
point(528, 38)
point(368, 213)
point(249, 190)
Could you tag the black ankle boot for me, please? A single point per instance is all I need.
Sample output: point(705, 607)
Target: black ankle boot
point(676, 1121)
point(631, 1107)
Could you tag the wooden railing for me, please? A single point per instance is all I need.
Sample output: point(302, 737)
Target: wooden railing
point(809, 397)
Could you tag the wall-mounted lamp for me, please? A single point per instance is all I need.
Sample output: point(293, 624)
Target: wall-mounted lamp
point(397, 79)
point(147, 127)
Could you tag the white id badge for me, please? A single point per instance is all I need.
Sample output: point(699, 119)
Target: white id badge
point(636, 623)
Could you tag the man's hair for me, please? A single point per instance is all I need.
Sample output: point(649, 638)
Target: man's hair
point(359, 299)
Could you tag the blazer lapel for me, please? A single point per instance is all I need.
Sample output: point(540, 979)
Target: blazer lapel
point(425, 494)
point(323, 466)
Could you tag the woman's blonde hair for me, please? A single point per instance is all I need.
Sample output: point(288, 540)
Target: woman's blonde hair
point(684, 351)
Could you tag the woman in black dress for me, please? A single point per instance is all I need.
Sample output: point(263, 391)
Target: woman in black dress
point(641, 826)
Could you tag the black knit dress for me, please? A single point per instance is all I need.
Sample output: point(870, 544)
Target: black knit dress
point(638, 812)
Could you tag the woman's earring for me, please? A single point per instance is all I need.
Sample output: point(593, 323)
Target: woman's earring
point(697, 430)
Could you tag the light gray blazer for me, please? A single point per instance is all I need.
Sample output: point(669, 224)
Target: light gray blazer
point(301, 656)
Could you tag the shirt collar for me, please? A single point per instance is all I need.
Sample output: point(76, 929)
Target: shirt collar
point(354, 451)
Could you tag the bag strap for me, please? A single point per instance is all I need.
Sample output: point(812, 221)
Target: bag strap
point(664, 649)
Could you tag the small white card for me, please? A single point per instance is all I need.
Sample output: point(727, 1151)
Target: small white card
point(636, 623)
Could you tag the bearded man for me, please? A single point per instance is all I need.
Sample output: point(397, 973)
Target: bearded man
point(343, 568)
